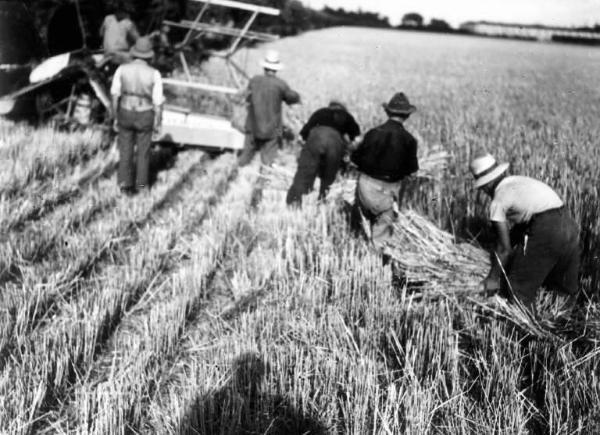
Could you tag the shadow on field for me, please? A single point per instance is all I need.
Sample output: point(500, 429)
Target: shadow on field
point(162, 158)
point(243, 407)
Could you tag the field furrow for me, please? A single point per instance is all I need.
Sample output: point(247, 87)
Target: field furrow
point(37, 156)
point(252, 281)
point(32, 206)
point(39, 240)
point(118, 288)
point(44, 284)
point(135, 356)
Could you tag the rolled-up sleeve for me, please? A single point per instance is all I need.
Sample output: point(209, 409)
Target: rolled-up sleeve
point(115, 88)
point(158, 97)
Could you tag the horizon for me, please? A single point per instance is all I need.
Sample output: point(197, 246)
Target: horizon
point(551, 13)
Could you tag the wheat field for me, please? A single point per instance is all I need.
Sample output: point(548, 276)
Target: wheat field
point(208, 307)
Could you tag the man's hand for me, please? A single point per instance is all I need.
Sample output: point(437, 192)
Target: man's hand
point(491, 284)
point(115, 126)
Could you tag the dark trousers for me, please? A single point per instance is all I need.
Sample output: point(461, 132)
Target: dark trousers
point(320, 157)
point(135, 138)
point(268, 150)
point(550, 257)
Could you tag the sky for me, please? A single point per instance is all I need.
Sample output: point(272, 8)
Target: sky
point(549, 12)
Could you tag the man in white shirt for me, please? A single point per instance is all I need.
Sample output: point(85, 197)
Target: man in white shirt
point(137, 94)
point(547, 249)
point(118, 33)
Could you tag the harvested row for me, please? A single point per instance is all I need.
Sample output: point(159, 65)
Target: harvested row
point(39, 155)
point(255, 278)
point(33, 204)
point(45, 283)
point(36, 241)
point(148, 335)
point(321, 351)
point(71, 340)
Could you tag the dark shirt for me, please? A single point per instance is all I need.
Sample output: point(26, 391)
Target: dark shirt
point(388, 152)
point(265, 95)
point(338, 119)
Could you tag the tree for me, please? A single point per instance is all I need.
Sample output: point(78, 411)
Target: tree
point(439, 25)
point(412, 19)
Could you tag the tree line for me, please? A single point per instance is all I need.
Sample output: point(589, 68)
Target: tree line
point(295, 17)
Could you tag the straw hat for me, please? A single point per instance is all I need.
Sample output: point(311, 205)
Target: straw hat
point(272, 61)
point(143, 48)
point(486, 169)
point(399, 105)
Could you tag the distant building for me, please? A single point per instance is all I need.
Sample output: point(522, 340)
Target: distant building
point(525, 31)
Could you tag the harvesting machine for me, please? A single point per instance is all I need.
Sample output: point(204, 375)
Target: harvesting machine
point(72, 88)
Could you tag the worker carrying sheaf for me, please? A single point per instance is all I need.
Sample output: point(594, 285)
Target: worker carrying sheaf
point(264, 96)
point(385, 157)
point(118, 34)
point(326, 133)
point(546, 238)
point(137, 94)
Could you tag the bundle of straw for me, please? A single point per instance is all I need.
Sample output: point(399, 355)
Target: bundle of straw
point(431, 256)
point(436, 265)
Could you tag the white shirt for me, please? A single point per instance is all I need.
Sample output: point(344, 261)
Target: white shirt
point(518, 198)
point(117, 35)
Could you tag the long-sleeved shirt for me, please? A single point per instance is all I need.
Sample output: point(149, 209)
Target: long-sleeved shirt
point(338, 119)
point(388, 152)
point(265, 95)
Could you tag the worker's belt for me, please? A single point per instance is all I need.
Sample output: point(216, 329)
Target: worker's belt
point(523, 229)
point(135, 102)
point(547, 213)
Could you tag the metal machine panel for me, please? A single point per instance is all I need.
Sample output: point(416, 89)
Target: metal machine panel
point(189, 128)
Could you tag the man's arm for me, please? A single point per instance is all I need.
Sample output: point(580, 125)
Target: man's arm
point(115, 92)
point(413, 161)
point(351, 127)
point(157, 101)
point(132, 33)
point(312, 121)
point(501, 255)
point(289, 95)
point(357, 155)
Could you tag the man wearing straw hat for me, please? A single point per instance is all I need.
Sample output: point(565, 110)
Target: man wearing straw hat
point(546, 250)
point(264, 95)
point(386, 156)
point(137, 94)
point(326, 133)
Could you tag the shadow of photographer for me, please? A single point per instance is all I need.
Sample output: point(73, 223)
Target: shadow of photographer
point(243, 407)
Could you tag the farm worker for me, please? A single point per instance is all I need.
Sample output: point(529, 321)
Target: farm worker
point(137, 94)
point(385, 157)
point(547, 238)
point(118, 34)
point(264, 96)
point(163, 49)
point(323, 153)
